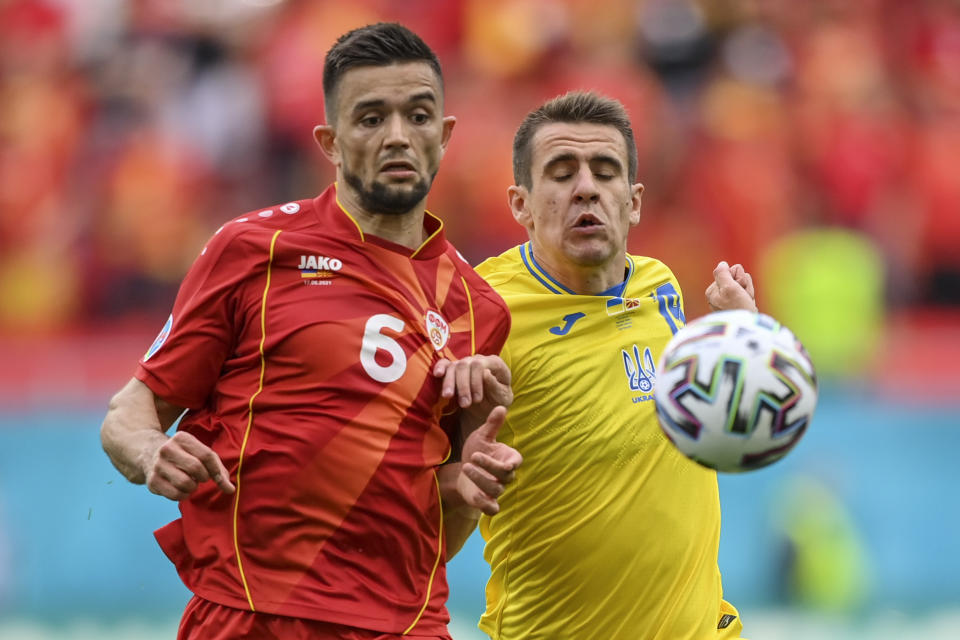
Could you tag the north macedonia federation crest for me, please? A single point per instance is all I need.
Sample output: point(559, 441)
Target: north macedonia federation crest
point(438, 329)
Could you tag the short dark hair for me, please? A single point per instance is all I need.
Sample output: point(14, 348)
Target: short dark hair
point(374, 45)
point(573, 107)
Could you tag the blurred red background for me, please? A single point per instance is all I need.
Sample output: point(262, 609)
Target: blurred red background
point(129, 131)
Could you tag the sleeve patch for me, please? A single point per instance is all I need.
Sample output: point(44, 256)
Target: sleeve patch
point(161, 338)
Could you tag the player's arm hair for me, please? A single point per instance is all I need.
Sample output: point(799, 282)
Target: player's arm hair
point(459, 519)
point(136, 423)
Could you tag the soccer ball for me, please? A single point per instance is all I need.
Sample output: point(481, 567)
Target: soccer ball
point(735, 390)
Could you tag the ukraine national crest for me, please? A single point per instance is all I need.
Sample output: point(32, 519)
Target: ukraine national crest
point(641, 373)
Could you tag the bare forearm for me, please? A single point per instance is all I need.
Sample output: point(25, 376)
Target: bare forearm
point(459, 524)
point(133, 429)
point(459, 519)
point(134, 436)
point(128, 449)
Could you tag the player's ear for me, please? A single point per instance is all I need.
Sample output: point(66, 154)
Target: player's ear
point(636, 191)
point(326, 137)
point(517, 199)
point(448, 124)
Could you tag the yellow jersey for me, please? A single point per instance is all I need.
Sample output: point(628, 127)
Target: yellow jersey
point(608, 531)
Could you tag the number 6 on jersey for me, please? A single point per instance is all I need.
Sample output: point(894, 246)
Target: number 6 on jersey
point(373, 340)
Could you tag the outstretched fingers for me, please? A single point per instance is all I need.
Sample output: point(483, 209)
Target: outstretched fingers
point(501, 465)
point(488, 465)
point(486, 482)
point(487, 432)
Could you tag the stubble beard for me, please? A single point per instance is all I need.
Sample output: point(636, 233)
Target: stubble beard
point(379, 198)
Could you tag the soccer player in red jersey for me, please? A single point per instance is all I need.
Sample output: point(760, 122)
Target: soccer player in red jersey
point(316, 346)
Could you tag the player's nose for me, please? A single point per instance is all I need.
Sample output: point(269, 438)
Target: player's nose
point(397, 133)
point(585, 186)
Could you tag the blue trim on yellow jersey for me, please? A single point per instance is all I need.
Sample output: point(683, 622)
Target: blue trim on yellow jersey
point(618, 290)
point(548, 281)
point(526, 252)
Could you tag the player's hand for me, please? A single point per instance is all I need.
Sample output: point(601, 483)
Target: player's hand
point(178, 466)
point(479, 382)
point(732, 288)
point(488, 466)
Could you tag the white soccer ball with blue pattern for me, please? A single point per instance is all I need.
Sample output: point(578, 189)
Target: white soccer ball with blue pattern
point(735, 390)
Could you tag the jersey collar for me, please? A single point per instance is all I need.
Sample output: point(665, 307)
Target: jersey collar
point(334, 217)
point(554, 286)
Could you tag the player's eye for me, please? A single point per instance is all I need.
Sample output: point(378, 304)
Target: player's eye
point(420, 118)
point(371, 120)
point(604, 176)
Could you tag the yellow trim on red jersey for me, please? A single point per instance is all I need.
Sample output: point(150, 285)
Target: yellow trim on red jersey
point(473, 333)
point(363, 238)
point(246, 435)
point(436, 562)
point(431, 236)
point(336, 196)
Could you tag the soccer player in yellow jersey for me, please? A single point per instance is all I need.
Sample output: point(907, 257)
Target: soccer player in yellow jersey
point(608, 532)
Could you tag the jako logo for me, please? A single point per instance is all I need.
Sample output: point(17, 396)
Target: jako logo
point(319, 263)
point(641, 374)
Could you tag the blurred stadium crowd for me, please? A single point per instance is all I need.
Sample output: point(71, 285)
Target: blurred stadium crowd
point(815, 141)
point(130, 130)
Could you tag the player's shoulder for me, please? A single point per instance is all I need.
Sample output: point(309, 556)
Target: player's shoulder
point(259, 227)
point(478, 284)
point(503, 270)
point(649, 274)
point(290, 215)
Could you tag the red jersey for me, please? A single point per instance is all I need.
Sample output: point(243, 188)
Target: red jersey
point(304, 351)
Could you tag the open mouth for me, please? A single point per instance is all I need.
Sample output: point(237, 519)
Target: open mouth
point(586, 221)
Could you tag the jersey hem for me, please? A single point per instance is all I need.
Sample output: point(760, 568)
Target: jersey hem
point(324, 614)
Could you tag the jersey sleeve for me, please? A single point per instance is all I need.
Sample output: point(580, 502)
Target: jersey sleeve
point(492, 318)
point(185, 360)
point(679, 309)
point(665, 290)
